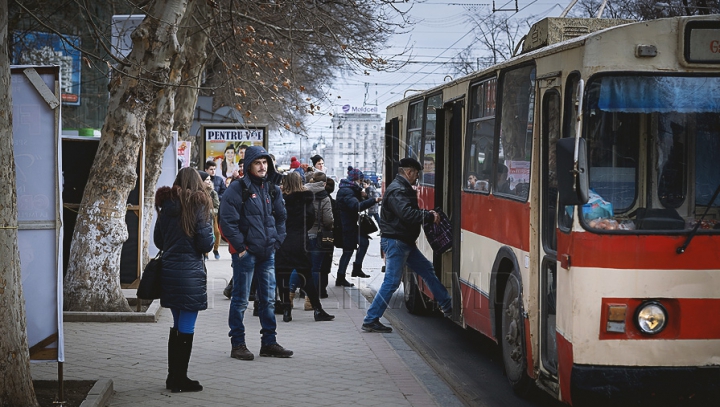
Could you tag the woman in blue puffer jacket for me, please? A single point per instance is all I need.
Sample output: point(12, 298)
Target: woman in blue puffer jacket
point(183, 232)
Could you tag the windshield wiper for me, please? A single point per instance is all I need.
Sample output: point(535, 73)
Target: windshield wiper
point(681, 249)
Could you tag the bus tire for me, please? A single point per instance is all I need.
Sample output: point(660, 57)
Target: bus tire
point(415, 302)
point(512, 338)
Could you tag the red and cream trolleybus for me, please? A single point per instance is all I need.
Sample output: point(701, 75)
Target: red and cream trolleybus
point(581, 178)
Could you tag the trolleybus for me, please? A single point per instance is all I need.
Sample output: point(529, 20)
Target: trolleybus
point(581, 178)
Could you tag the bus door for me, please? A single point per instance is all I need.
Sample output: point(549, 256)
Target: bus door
point(551, 108)
point(392, 150)
point(450, 190)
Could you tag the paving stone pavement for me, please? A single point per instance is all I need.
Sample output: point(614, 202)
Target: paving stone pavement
point(335, 363)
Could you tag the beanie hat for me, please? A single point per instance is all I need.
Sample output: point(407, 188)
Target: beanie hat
point(355, 175)
point(315, 159)
point(203, 175)
point(408, 162)
point(294, 163)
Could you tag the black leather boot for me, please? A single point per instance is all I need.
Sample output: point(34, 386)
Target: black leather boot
point(256, 308)
point(227, 292)
point(172, 360)
point(180, 382)
point(323, 285)
point(321, 315)
point(287, 313)
point(340, 281)
point(357, 271)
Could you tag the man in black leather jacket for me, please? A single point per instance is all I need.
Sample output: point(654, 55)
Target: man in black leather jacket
point(400, 222)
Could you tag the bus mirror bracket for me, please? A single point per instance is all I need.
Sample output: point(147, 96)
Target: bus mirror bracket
point(572, 175)
point(571, 155)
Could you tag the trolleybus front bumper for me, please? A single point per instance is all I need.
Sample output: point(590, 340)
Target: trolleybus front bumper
point(645, 386)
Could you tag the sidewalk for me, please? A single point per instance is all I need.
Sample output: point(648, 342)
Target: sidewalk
point(335, 363)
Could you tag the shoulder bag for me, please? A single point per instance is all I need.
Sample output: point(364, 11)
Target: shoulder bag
point(325, 238)
point(366, 224)
point(439, 235)
point(150, 287)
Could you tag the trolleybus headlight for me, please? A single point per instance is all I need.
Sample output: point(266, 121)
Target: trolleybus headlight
point(651, 317)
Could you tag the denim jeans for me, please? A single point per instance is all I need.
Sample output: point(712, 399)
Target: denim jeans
point(397, 254)
point(363, 243)
point(243, 269)
point(316, 258)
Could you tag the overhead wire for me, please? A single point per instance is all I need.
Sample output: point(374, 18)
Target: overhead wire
point(387, 92)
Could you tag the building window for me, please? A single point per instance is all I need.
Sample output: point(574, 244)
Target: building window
point(339, 145)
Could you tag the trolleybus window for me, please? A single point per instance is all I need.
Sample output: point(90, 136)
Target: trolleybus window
point(516, 127)
point(414, 132)
point(433, 103)
point(673, 113)
point(479, 143)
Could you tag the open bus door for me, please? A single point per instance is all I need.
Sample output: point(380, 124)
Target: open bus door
point(392, 150)
point(551, 108)
point(452, 187)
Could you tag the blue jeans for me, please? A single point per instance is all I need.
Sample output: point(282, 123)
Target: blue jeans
point(316, 258)
point(243, 269)
point(363, 243)
point(184, 321)
point(397, 254)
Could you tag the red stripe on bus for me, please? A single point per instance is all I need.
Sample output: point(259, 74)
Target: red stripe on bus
point(499, 219)
point(688, 318)
point(565, 364)
point(476, 310)
point(588, 249)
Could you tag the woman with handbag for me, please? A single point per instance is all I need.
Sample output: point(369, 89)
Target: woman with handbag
point(350, 202)
point(321, 235)
point(294, 254)
point(183, 233)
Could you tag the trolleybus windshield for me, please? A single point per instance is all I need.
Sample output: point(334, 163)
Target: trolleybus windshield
point(662, 131)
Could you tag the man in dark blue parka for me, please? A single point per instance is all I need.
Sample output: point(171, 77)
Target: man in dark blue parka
point(252, 220)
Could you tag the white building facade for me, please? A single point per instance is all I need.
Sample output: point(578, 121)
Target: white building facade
point(358, 134)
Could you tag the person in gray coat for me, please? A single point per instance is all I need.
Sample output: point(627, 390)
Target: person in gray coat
point(183, 233)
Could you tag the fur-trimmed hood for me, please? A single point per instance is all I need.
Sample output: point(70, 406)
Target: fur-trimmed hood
point(165, 195)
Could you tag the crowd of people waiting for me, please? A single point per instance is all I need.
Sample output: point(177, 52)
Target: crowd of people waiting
point(272, 223)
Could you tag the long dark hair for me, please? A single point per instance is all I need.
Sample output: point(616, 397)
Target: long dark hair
point(224, 165)
point(193, 197)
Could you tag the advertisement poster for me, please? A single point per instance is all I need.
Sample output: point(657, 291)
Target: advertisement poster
point(39, 48)
point(518, 173)
point(226, 146)
point(183, 153)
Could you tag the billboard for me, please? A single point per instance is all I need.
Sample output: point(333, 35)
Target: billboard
point(39, 48)
point(226, 146)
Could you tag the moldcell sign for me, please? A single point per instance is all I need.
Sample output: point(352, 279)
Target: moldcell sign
point(359, 109)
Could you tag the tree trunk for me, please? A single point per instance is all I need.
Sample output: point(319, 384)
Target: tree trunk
point(16, 388)
point(194, 37)
point(92, 282)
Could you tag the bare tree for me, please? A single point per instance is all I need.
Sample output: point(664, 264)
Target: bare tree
point(497, 35)
point(269, 60)
point(642, 10)
point(147, 86)
point(16, 388)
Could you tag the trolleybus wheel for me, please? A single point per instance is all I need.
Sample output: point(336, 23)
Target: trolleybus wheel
point(414, 301)
point(512, 338)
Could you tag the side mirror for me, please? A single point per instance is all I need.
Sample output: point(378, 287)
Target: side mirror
point(573, 185)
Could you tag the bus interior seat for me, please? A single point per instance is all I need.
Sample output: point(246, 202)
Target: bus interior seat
point(659, 219)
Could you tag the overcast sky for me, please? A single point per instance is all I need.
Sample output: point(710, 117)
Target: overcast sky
point(441, 33)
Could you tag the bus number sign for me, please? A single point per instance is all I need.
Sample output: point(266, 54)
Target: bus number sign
point(702, 42)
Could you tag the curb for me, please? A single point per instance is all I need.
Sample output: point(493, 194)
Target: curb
point(150, 315)
point(99, 395)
